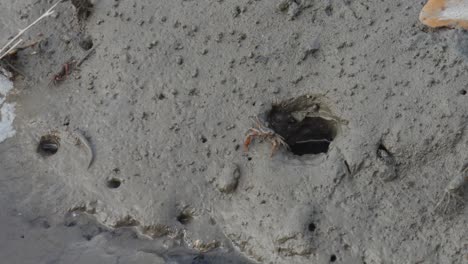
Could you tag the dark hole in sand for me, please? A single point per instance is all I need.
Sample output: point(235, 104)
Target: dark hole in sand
point(382, 151)
point(314, 136)
point(48, 145)
point(86, 43)
point(384, 154)
point(333, 258)
point(312, 227)
point(83, 8)
point(311, 135)
point(463, 92)
point(114, 183)
point(184, 218)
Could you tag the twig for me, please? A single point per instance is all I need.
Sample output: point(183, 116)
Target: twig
point(22, 31)
point(15, 48)
point(12, 48)
point(87, 144)
point(86, 56)
point(15, 69)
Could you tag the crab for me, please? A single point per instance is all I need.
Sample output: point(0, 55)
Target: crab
point(262, 131)
point(62, 74)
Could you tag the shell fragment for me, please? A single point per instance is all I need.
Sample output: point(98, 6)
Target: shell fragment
point(445, 13)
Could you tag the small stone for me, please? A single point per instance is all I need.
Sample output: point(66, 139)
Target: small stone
point(179, 60)
point(195, 73)
point(310, 49)
point(23, 15)
point(152, 44)
point(283, 5)
point(315, 107)
point(297, 79)
point(229, 178)
point(193, 92)
point(219, 37)
point(236, 12)
point(66, 38)
point(178, 46)
point(294, 10)
point(7, 74)
point(126, 57)
point(386, 165)
point(241, 37)
point(275, 90)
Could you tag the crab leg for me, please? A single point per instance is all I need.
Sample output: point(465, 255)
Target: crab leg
point(273, 149)
point(247, 141)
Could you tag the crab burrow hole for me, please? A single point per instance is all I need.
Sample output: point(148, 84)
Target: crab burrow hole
point(185, 217)
point(48, 145)
point(113, 183)
point(306, 124)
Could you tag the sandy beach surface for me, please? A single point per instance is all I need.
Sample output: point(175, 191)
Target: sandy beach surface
point(123, 133)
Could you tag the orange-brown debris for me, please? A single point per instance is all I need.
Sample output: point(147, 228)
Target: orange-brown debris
point(445, 13)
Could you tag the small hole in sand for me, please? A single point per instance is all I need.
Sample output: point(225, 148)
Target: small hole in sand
point(114, 183)
point(86, 43)
point(333, 258)
point(308, 134)
point(312, 227)
point(184, 218)
point(48, 145)
point(463, 92)
point(383, 153)
point(314, 136)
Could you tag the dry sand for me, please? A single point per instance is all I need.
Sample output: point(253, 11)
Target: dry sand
point(150, 166)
